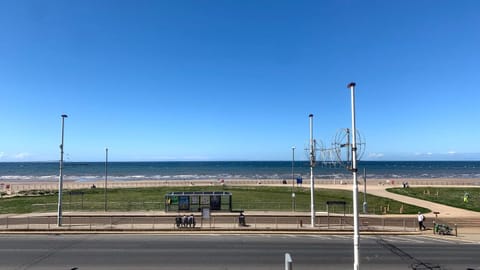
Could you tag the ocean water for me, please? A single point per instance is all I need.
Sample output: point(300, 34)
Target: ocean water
point(92, 171)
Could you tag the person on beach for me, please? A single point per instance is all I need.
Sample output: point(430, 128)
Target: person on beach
point(421, 219)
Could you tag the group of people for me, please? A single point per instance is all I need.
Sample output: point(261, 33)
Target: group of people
point(185, 221)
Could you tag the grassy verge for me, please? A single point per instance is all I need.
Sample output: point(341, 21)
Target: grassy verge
point(444, 195)
point(243, 198)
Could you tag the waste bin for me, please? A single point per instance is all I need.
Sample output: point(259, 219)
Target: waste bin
point(241, 220)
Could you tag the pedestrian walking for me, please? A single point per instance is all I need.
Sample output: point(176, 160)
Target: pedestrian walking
point(421, 220)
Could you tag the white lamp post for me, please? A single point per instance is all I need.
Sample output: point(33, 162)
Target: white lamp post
point(356, 236)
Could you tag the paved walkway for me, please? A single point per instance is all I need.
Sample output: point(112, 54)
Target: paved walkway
point(445, 210)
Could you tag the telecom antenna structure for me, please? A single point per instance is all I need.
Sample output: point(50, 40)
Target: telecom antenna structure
point(342, 147)
point(347, 148)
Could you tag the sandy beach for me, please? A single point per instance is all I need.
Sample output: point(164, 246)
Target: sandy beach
point(15, 187)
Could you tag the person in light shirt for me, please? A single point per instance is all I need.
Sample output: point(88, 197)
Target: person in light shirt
point(421, 219)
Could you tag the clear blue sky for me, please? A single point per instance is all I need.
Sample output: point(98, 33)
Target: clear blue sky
point(236, 80)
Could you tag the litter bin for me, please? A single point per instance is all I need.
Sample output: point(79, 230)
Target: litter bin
point(241, 220)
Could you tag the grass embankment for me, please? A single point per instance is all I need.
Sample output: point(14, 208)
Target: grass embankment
point(444, 195)
point(243, 198)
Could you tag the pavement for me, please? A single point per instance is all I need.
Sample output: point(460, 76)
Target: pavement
point(447, 213)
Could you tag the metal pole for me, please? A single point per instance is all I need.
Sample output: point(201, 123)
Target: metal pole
point(312, 164)
point(293, 178)
point(60, 180)
point(365, 205)
point(106, 173)
point(288, 262)
point(356, 263)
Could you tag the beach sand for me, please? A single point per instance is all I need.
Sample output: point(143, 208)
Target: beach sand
point(15, 187)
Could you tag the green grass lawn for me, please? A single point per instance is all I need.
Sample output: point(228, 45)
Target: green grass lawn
point(444, 195)
point(243, 198)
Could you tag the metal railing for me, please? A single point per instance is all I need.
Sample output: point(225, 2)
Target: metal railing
point(218, 222)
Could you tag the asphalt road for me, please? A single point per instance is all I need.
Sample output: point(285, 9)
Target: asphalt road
point(101, 252)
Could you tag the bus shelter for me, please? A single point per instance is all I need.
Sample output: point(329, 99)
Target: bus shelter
point(195, 201)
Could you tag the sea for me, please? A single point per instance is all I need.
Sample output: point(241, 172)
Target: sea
point(216, 170)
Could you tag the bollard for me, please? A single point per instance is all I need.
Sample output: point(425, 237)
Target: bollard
point(456, 231)
point(288, 262)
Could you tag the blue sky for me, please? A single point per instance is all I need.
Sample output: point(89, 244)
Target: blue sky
point(236, 80)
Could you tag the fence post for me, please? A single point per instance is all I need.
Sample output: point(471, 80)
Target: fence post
point(456, 230)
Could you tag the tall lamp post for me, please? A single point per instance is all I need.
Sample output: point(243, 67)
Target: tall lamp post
point(356, 236)
point(60, 180)
point(106, 173)
point(365, 205)
point(293, 179)
point(312, 164)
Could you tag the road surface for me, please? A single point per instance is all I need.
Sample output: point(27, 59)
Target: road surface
point(103, 251)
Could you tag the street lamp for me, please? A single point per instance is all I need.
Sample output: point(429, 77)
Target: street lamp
point(293, 178)
point(312, 164)
point(356, 263)
point(60, 181)
point(106, 170)
point(365, 205)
